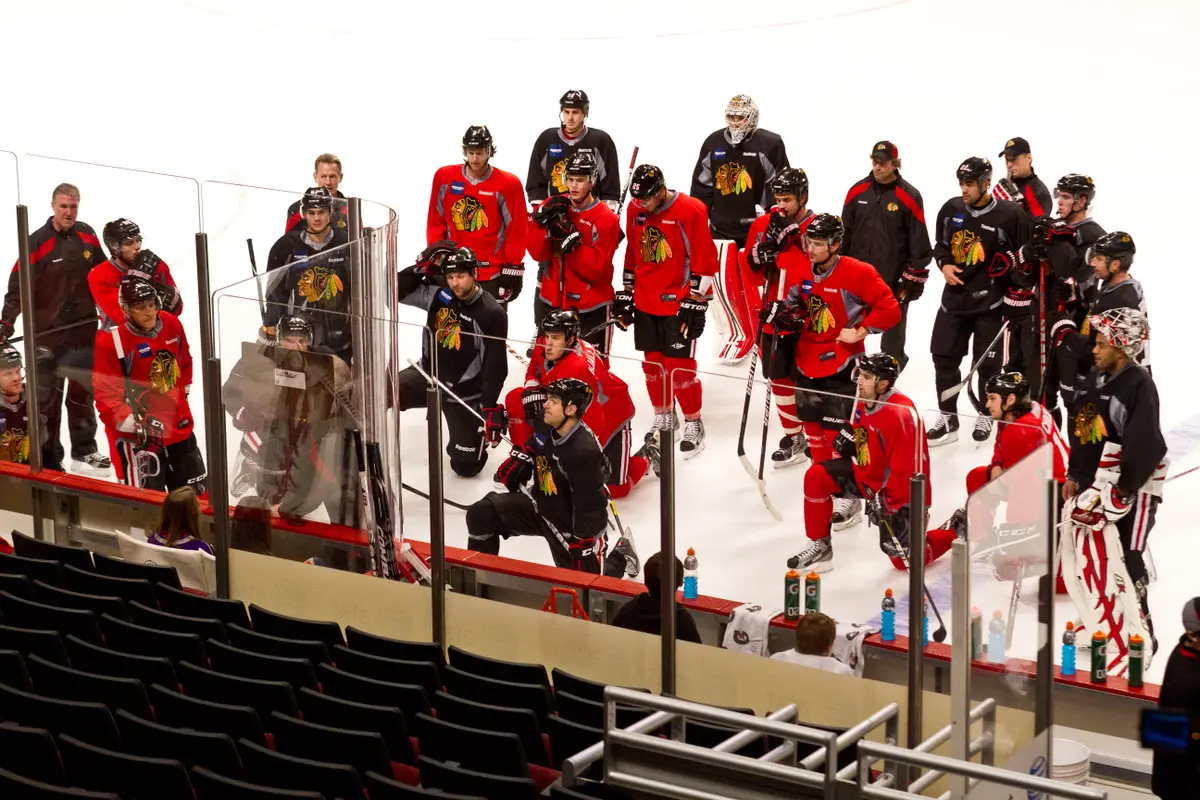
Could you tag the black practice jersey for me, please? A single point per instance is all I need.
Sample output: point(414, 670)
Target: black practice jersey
point(1122, 409)
point(1126, 294)
point(312, 283)
point(14, 431)
point(552, 152)
point(569, 476)
point(1068, 254)
point(731, 179)
point(468, 334)
point(970, 238)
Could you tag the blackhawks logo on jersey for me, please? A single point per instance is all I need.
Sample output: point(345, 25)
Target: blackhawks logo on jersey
point(820, 315)
point(14, 446)
point(318, 283)
point(654, 246)
point(966, 248)
point(449, 330)
point(557, 181)
point(468, 215)
point(732, 178)
point(164, 372)
point(862, 451)
point(1089, 425)
point(545, 478)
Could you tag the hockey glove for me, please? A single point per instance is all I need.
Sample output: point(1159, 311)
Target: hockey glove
point(912, 283)
point(778, 223)
point(877, 509)
point(1061, 329)
point(1102, 499)
point(560, 204)
point(509, 282)
point(1061, 230)
point(495, 425)
point(844, 443)
point(6, 331)
point(145, 265)
point(1001, 263)
point(517, 469)
point(572, 241)
point(791, 319)
point(623, 310)
point(431, 258)
point(1018, 305)
point(1036, 249)
point(771, 312)
point(168, 298)
point(1066, 293)
point(247, 420)
point(691, 316)
point(1005, 189)
point(762, 255)
point(151, 433)
point(533, 400)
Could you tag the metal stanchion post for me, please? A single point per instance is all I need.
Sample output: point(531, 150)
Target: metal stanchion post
point(960, 661)
point(1043, 715)
point(437, 508)
point(916, 613)
point(32, 401)
point(217, 481)
point(667, 548)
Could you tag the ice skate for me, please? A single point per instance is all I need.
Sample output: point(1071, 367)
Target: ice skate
point(92, 464)
point(792, 450)
point(944, 431)
point(817, 557)
point(846, 513)
point(650, 451)
point(693, 438)
point(246, 478)
point(983, 430)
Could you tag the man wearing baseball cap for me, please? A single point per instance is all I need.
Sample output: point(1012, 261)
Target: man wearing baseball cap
point(884, 217)
point(1022, 185)
point(1177, 775)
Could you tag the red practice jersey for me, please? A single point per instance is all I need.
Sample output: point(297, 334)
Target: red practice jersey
point(792, 276)
point(105, 281)
point(665, 249)
point(145, 374)
point(891, 447)
point(612, 406)
point(1016, 440)
point(850, 295)
point(487, 216)
point(589, 266)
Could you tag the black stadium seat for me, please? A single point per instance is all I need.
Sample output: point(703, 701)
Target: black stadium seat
point(14, 785)
point(151, 617)
point(273, 624)
point(190, 604)
point(519, 721)
point(143, 641)
point(568, 738)
point(288, 772)
point(422, 673)
point(247, 664)
point(212, 786)
point(65, 683)
point(580, 687)
point(136, 590)
point(89, 721)
point(29, 547)
point(362, 750)
point(243, 637)
point(155, 573)
point(587, 712)
point(180, 711)
point(471, 748)
point(406, 697)
point(387, 721)
point(382, 788)
point(132, 777)
point(102, 661)
point(436, 775)
point(30, 752)
point(63, 598)
point(501, 693)
point(263, 696)
point(214, 751)
point(28, 614)
point(40, 569)
point(19, 585)
point(25, 641)
point(510, 671)
point(398, 649)
point(12, 670)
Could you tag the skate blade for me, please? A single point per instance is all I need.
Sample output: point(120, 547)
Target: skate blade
point(771, 509)
point(693, 453)
point(791, 462)
point(845, 524)
point(949, 438)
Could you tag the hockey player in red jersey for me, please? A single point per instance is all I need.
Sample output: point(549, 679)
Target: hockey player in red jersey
point(478, 206)
point(669, 249)
point(782, 228)
point(127, 259)
point(142, 377)
point(881, 449)
point(835, 302)
point(576, 229)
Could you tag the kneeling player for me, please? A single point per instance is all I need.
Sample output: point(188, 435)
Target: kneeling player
point(876, 464)
point(14, 412)
point(567, 504)
point(142, 377)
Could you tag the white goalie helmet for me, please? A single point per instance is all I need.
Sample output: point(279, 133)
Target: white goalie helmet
point(743, 108)
point(1126, 328)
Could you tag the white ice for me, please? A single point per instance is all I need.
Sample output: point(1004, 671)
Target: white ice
point(250, 92)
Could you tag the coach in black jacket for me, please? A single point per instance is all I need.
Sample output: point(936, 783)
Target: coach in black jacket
point(884, 217)
point(1177, 775)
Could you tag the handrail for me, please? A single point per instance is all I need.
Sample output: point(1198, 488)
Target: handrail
point(742, 738)
point(942, 736)
point(854, 734)
point(574, 766)
point(869, 752)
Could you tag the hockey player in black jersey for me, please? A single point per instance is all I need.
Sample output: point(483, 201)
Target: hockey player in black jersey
point(14, 414)
point(1114, 483)
point(735, 170)
point(977, 241)
point(567, 504)
point(554, 148)
point(467, 327)
point(308, 272)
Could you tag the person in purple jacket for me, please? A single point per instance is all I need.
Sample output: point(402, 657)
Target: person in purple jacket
point(179, 522)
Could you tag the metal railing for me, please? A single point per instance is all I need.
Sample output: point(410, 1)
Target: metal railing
point(985, 743)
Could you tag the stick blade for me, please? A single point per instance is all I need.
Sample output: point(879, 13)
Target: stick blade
point(766, 498)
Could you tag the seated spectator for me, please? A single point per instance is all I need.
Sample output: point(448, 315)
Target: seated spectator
point(251, 526)
point(1177, 775)
point(179, 522)
point(642, 613)
point(815, 633)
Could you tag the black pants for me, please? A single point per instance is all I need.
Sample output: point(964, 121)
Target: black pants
point(163, 469)
point(592, 328)
point(1134, 529)
point(71, 369)
point(503, 514)
point(893, 339)
point(841, 471)
point(466, 443)
point(831, 411)
point(953, 335)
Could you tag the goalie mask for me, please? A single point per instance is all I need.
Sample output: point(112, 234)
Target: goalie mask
point(1126, 328)
point(741, 118)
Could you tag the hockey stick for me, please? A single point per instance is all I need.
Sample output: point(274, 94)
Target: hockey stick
point(754, 359)
point(445, 500)
point(939, 635)
point(262, 305)
point(599, 328)
point(958, 387)
point(523, 361)
point(625, 188)
point(1043, 265)
point(1012, 604)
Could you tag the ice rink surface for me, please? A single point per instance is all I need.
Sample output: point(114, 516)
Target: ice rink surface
point(249, 93)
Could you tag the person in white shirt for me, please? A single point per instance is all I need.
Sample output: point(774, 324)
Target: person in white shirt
point(815, 633)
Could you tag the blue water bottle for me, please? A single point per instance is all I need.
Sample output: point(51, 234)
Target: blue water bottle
point(995, 653)
point(924, 621)
point(888, 618)
point(691, 576)
point(1068, 649)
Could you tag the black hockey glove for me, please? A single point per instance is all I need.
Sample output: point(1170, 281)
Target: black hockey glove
point(782, 229)
point(1005, 189)
point(1066, 293)
point(517, 469)
point(572, 241)
point(761, 255)
point(560, 204)
point(691, 316)
point(431, 258)
point(1061, 329)
point(877, 510)
point(168, 298)
point(1036, 249)
point(791, 319)
point(509, 282)
point(533, 400)
point(845, 444)
point(623, 310)
point(1001, 263)
point(1017, 306)
point(1061, 230)
point(151, 433)
point(145, 265)
point(560, 227)
point(495, 425)
point(771, 312)
point(912, 283)
point(6, 331)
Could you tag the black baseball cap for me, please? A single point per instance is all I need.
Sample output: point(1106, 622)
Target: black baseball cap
point(1191, 615)
point(885, 151)
point(1017, 146)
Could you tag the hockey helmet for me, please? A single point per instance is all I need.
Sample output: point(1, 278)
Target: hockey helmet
point(1009, 382)
point(562, 320)
point(975, 169)
point(647, 181)
point(478, 137)
point(571, 391)
point(316, 197)
point(134, 292)
point(792, 180)
point(118, 232)
point(1077, 185)
point(461, 260)
point(826, 227)
point(1126, 328)
point(1115, 244)
point(882, 366)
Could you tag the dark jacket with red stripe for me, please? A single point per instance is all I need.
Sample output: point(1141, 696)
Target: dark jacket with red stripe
point(340, 218)
point(885, 227)
point(61, 262)
point(1176, 775)
point(1038, 201)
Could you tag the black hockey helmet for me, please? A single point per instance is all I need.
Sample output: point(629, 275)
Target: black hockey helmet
point(461, 260)
point(827, 227)
point(291, 326)
point(1115, 244)
point(316, 197)
point(10, 357)
point(647, 181)
point(478, 136)
point(562, 320)
point(1078, 185)
point(119, 231)
point(883, 366)
point(1009, 382)
point(571, 391)
point(135, 291)
point(575, 98)
point(583, 163)
point(975, 169)
point(792, 180)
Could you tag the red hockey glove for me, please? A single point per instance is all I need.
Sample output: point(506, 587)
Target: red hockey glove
point(495, 425)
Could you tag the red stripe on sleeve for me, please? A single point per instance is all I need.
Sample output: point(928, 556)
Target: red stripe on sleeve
point(1035, 208)
point(911, 204)
point(37, 255)
point(856, 190)
point(89, 238)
